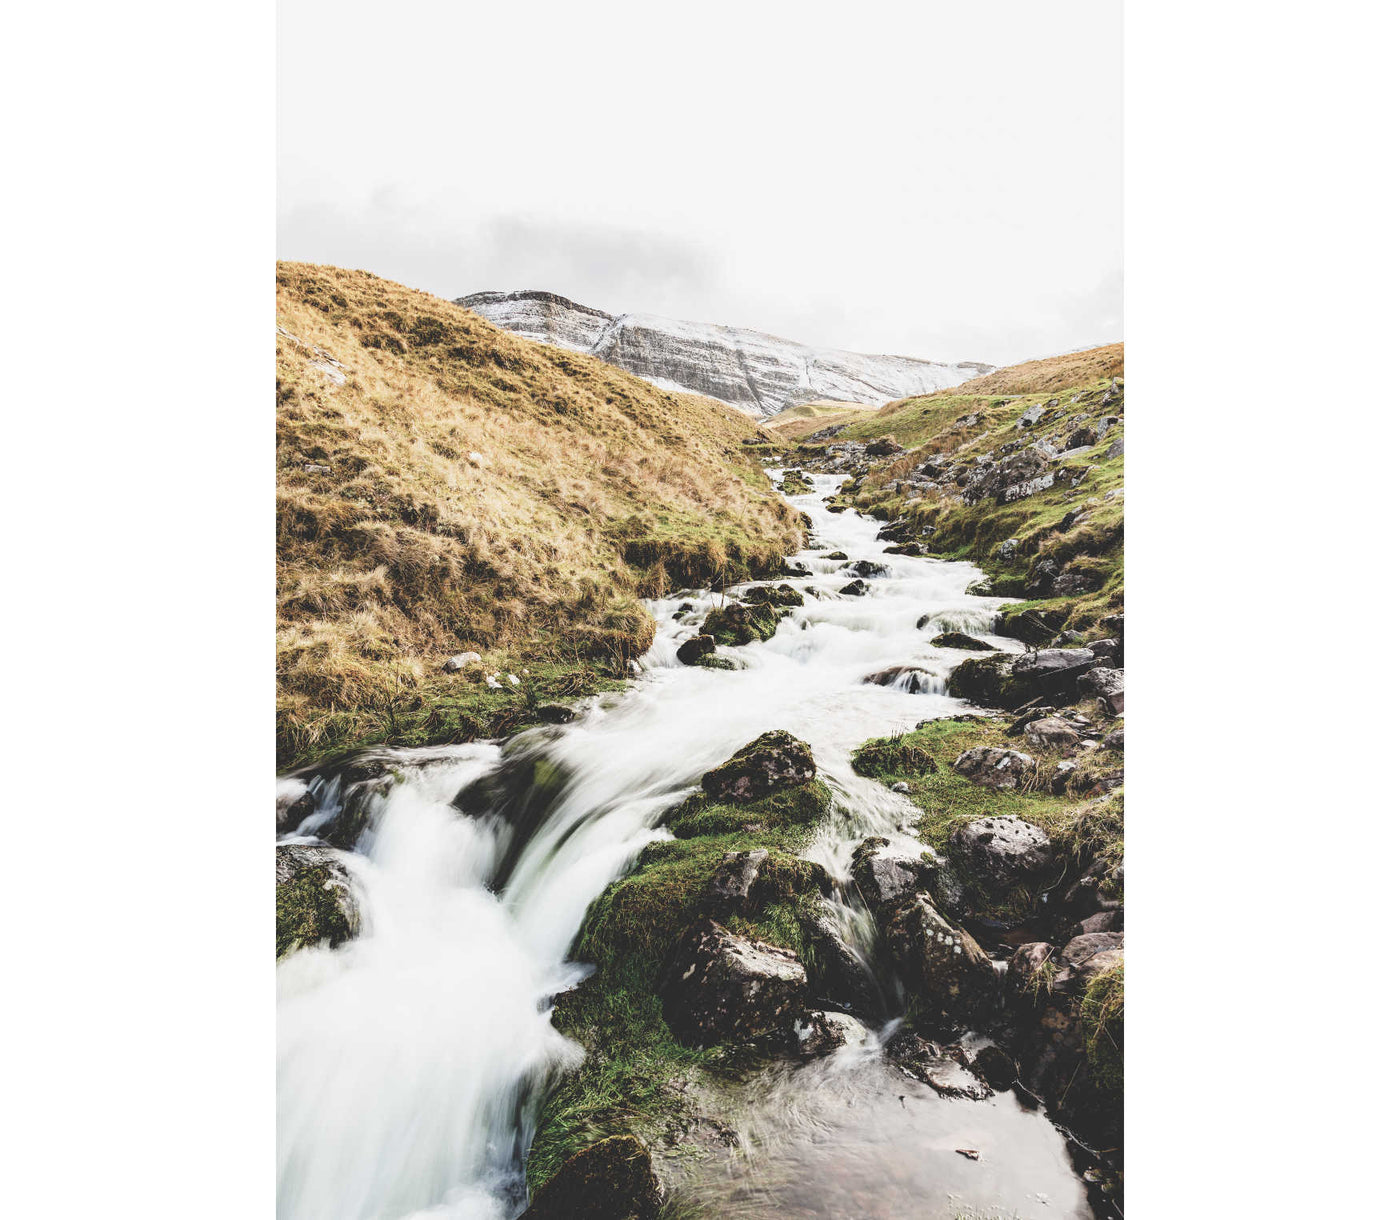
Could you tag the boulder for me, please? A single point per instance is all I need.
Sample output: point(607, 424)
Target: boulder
point(1107, 650)
point(610, 1180)
point(887, 874)
point(945, 969)
point(691, 650)
point(1025, 964)
point(995, 1066)
point(1050, 673)
point(983, 680)
point(857, 588)
point(773, 595)
point(1081, 949)
point(293, 809)
point(958, 639)
point(721, 987)
point(1113, 740)
point(994, 766)
point(841, 555)
point(1006, 551)
point(741, 623)
point(1051, 733)
point(1105, 685)
point(1031, 416)
point(886, 446)
point(821, 1033)
point(838, 973)
point(315, 901)
point(1104, 921)
point(775, 760)
point(1002, 852)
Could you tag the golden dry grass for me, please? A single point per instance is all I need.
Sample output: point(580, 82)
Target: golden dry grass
point(1049, 375)
point(480, 491)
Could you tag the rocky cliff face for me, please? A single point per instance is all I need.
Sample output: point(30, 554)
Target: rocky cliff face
point(758, 373)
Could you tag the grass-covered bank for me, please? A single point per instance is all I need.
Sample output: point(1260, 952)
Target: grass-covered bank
point(444, 486)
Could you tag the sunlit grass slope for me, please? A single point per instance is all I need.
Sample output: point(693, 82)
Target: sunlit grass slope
point(445, 486)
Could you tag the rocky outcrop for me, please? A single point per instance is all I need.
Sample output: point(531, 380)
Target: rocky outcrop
point(758, 373)
point(721, 987)
point(1105, 685)
point(775, 760)
point(610, 1180)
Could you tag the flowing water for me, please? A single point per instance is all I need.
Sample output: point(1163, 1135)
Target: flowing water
point(408, 1057)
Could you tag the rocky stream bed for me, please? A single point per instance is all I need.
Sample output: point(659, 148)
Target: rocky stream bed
point(822, 917)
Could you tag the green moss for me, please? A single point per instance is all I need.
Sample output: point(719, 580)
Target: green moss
point(742, 623)
point(308, 912)
point(1102, 1013)
point(892, 754)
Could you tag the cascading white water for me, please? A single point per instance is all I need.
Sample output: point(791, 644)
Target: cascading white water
point(406, 1055)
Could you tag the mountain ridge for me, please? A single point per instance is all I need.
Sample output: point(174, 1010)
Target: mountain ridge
point(759, 373)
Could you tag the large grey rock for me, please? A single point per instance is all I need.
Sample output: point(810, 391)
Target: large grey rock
point(1051, 672)
point(1105, 684)
point(885, 873)
point(1002, 852)
point(947, 972)
point(720, 987)
point(1051, 733)
point(732, 885)
point(994, 766)
point(758, 373)
point(821, 1033)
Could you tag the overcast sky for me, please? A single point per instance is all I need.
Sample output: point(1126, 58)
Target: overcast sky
point(940, 180)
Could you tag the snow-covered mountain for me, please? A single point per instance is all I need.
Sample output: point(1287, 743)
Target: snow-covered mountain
point(758, 373)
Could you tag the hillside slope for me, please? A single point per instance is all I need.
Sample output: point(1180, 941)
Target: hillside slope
point(758, 373)
point(444, 486)
point(1028, 482)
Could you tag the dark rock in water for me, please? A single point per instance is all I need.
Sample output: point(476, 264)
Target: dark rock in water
point(886, 874)
point(691, 650)
point(837, 972)
point(1105, 685)
point(1051, 733)
point(732, 886)
point(958, 639)
point(836, 508)
point(857, 588)
point(982, 680)
point(908, 678)
point(315, 902)
point(1033, 627)
point(711, 661)
point(794, 568)
point(906, 548)
point(720, 987)
point(868, 568)
point(821, 1033)
point(555, 713)
point(1002, 852)
point(775, 760)
point(951, 979)
point(942, 1069)
point(293, 811)
point(895, 531)
point(741, 623)
point(886, 446)
point(773, 595)
point(837, 555)
point(995, 1066)
point(610, 1180)
point(994, 766)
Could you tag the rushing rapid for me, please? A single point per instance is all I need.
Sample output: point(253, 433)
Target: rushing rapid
point(412, 1059)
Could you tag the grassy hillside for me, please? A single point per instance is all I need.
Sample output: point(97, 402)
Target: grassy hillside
point(808, 417)
point(1076, 523)
point(444, 486)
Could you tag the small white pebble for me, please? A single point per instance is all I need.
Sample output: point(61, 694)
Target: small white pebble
point(475, 458)
point(514, 681)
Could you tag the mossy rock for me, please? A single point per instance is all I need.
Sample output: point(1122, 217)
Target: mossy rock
point(742, 623)
point(984, 680)
point(314, 901)
point(774, 760)
point(782, 810)
point(959, 639)
point(773, 595)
